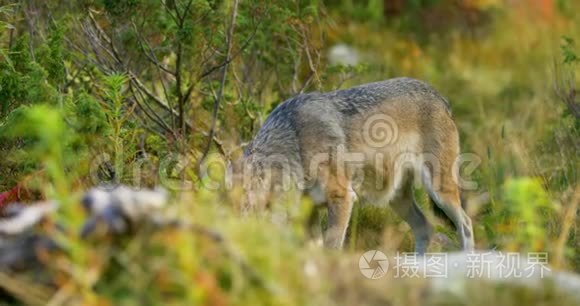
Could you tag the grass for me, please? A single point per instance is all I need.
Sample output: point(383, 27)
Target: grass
point(500, 85)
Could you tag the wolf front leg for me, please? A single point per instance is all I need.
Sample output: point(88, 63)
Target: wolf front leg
point(339, 201)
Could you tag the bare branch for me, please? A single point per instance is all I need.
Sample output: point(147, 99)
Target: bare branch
point(149, 54)
point(31, 26)
point(152, 96)
point(231, 58)
point(153, 115)
point(229, 42)
point(185, 11)
point(168, 10)
point(160, 68)
point(178, 63)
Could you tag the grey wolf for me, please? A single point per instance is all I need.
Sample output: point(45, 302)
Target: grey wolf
point(371, 141)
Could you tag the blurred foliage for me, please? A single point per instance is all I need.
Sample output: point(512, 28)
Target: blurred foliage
point(526, 206)
point(568, 51)
point(91, 90)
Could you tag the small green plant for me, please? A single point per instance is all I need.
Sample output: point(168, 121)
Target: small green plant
point(568, 51)
point(119, 116)
point(527, 209)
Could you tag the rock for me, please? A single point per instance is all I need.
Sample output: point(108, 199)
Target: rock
point(17, 218)
point(122, 208)
point(20, 243)
point(342, 54)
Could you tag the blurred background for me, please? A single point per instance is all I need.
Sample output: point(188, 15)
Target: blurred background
point(92, 90)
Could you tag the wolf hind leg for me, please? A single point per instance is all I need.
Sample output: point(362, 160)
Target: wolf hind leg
point(406, 207)
point(446, 196)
